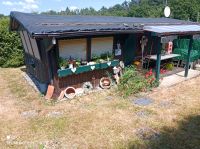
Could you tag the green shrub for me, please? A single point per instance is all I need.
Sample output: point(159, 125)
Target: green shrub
point(11, 53)
point(169, 66)
point(133, 82)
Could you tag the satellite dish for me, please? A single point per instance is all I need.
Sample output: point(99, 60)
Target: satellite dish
point(167, 11)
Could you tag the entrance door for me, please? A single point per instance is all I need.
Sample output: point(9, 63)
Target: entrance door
point(130, 49)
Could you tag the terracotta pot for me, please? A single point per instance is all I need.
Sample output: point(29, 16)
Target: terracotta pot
point(105, 83)
point(70, 92)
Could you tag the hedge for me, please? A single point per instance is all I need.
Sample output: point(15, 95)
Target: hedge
point(11, 51)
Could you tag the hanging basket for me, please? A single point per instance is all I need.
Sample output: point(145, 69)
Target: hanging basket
point(70, 92)
point(105, 83)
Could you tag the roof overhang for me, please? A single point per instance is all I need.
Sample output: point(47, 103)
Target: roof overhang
point(172, 30)
point(40, 26)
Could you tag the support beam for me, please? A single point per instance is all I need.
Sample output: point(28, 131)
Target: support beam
point(188, 56)
point(158, 40)
point(88, 50)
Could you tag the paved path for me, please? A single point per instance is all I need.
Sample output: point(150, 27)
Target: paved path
point(178, 78)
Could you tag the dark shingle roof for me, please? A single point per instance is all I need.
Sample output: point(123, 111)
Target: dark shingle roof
point(37, 24)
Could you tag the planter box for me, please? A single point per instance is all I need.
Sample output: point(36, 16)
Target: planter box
point(103, 65)
point(86, 68)
point(66, 72)
point(82, 69)
point(115, 63)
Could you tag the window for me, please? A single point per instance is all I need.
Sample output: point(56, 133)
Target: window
point(74, 48)
point(101, 45)
point(28, 44)
point(35, 48)
point(24, 42)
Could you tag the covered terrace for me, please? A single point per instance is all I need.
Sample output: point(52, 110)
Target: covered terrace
point(164, 34)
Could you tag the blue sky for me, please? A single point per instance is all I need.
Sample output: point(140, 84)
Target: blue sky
point(44, 5)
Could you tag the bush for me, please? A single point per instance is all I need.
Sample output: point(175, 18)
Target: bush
point(133, 81)
point(11, 53)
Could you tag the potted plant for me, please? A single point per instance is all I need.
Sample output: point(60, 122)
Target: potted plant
point(62, 63)
point(72, 62)
point(78, 63)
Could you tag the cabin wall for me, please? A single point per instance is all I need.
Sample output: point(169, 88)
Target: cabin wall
point(41, 57)
point(77, 80)
point(34, 60)
point(78, 48)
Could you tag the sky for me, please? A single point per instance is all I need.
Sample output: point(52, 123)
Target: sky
point(44, 5)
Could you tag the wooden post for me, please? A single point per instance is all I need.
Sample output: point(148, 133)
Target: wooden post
point(88, 49)
point(188, 57)
point(158, 58)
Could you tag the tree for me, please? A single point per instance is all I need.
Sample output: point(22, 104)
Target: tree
point(1, 16)
point(11, 53)
point(185, 9)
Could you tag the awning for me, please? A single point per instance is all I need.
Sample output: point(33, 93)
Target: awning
point(173, 30)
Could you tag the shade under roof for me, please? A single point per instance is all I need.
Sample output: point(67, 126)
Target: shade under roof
point(173, 29)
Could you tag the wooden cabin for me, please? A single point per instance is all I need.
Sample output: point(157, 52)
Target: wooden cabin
point(47, 38)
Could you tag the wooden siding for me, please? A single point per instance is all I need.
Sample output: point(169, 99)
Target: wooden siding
point(78, 80)
point(35, 57)
point(35, 48)
point(28, 43)
point(120, 38)
point(24, 42)
point(36, 68)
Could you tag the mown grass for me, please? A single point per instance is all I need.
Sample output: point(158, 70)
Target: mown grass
point(51, 127)
point(96, 121)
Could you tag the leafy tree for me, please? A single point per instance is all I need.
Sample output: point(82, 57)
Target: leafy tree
point(181, 9)
point(1, 15)
point(11, 53)
point(88, 11)
point(185, 9)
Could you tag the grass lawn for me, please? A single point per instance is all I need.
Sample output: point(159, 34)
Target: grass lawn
point(98, 120)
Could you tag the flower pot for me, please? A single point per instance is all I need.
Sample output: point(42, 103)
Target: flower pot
point(84, 62)
point(70, 92)
point(71, 66)
point(105, 83)
point(62, 68)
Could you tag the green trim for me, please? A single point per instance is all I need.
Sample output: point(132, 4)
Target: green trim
point(66, 72)
point(82, 69)
point(159, 46)
point(87, 68)
point(188, 57)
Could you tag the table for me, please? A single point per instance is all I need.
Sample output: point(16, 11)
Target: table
point(163, 57)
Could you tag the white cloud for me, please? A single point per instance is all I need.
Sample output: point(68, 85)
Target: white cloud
point(30, 1)
point(73, 8)
point(22, 5)
point(9, 3)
